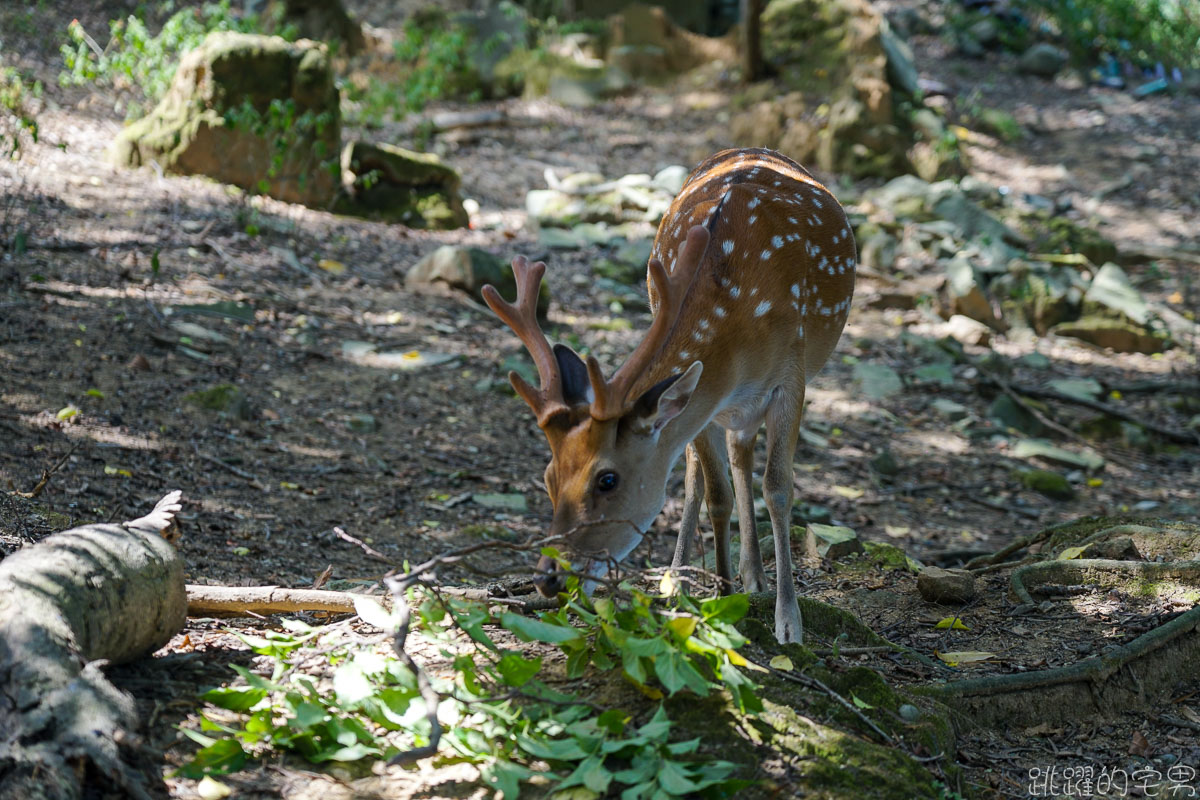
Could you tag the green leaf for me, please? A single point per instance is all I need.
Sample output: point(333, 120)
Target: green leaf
point(878, 381)
point(552, 749)
point(863, 704)
point(729, 608)
point(308, 715)
point(645, 647)
point(613, 721)
point(935, 373)
point(220, 758)
point(234, 699)
point(516, 670)
point(672, 778)
point(538, 630)
point(351, 684)
point(658, 727)
point(352, 752)
point(506, 777)
point(370, 611)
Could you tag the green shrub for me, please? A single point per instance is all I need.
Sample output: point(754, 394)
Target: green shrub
point(138, 60)
point(1143, 31)
point(333, 697)
point(18, 125)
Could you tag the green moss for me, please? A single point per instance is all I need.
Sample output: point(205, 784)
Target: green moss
point(1057, 234)
point(887, 557)
point(1120, 335)
point(1046, 482)
point(225, 399)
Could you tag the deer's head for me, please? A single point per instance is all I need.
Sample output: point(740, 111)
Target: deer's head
point(609, 462)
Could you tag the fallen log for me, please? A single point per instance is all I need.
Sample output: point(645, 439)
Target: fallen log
point(74, 601)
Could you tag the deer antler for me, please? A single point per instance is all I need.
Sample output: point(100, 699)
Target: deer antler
point(611, 397)
point(521, 316)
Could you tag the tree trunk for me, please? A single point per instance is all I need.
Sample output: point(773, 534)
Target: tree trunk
point(99, 592)
point(752, 60)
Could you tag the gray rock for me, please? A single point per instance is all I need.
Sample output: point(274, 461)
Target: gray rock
point(469, 269)
point(964, 291)
point(1042, 59)
point(1111, 289)
point(671, 179)
point(885, 464)
point(948, 408)
point(950, 202)
point(985, 31)
point(901, 69)
point(946, 586)
point(968, 331)
point(831, 541)
point(1121, 548)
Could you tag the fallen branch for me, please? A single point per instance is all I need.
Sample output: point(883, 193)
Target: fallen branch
point(242, 601)
point(45, 479)
point(1171, 434)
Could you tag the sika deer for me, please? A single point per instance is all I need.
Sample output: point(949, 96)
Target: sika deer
point(761, 274)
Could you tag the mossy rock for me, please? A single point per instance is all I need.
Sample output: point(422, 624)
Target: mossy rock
point(1115, 334)
point(254, 111)
point(391, 184)
point(1046, 482)
point(839, 754)
point(1057, 234)
point(225, 399)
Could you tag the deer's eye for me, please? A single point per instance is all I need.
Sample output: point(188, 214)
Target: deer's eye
point(606, 481)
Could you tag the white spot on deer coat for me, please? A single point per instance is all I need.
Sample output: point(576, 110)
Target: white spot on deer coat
point(762, 308)
point(734, 292)
point(727, 246)
point(720, 312)
point(777, 241)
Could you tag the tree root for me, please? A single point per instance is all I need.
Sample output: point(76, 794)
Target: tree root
point(1094, 670)
point(1078, 570)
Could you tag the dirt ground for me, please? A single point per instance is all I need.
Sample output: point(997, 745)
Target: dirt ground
point(85, 314)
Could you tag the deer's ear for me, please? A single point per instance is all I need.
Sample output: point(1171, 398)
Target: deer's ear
point(576, 387)
point(665, 400)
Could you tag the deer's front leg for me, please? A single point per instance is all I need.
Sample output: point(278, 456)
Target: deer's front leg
point(783, 426)
point(718, 497)
point(741, 458)
point(692, 495)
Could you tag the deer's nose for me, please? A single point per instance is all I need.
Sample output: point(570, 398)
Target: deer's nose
point(549, 581)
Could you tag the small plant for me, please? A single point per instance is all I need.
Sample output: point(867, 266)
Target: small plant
point(137, 60)
point(283, 129)
point(505, 718)
point(434, 62)
point(1141, 31)
point(18, 123)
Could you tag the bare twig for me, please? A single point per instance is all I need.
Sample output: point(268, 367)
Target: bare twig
point(366, 548)
point(45, 479)
point(241, 473)
point(992, 504)
point(813, 683)
point(1171, 434)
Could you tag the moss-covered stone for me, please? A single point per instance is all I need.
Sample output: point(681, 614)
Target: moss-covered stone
point(1119, 335)
point(391, 184)
point(1058, 234)
point(225, 399)
point(1047, 482)
point(255, 111)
